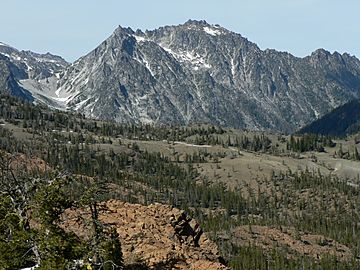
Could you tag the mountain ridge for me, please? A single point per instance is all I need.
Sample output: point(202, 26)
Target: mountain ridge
point(343, 120)
point(197, 72)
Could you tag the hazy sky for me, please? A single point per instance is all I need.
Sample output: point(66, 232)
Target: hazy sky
point(71, 28)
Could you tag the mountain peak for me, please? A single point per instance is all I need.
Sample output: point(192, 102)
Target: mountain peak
point(197, 23)
point(321, 52)
point(202, 25)
point(120, 30)
point(324, 53)
point(201, 72)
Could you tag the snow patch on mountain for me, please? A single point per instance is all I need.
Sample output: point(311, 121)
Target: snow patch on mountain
point(46, 60)
point(4, 45)
point(193, 58)
point(144, 62)
point(6, 54)
point(81, 103)
point(63, 100)
point(140, 39)
point(212, 31)
point(65, 97)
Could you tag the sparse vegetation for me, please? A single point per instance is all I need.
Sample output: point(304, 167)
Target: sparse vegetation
point(225, 178)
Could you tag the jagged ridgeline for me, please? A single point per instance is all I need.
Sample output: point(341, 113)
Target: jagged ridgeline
point(190, 73)
point(268, 201)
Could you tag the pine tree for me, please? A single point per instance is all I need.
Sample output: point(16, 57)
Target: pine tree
point(104, 248)
point(55, 246)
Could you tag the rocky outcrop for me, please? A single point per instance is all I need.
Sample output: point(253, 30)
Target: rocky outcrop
point(148, 238)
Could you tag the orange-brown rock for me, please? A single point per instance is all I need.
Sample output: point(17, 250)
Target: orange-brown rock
point(21, 163)
point(147, 236)
point(288, 239)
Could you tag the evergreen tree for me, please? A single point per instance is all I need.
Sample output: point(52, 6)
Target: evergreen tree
point(104, 248)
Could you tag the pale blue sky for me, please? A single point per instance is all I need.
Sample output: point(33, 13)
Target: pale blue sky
point(71, 28)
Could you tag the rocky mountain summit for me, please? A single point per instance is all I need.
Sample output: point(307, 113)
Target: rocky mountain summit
point(147, 237)
point(32, 65)
point(198, 72)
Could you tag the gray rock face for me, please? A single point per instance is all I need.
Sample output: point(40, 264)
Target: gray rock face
point(8, 83)
point(198, 72)
point(30, 75)
point(32, 65)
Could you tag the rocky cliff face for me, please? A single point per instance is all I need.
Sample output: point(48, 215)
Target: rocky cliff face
point(30, 75)
point(32, 65)
point(8, 82)
point(147, 237)
point(197, 72)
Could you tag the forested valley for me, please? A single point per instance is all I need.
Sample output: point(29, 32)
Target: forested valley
point(51, 161)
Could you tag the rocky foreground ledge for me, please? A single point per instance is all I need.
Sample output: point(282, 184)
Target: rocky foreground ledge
point(147, 237)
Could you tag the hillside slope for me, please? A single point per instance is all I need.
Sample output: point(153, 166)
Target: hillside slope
point(265, 203)
point(342, 121)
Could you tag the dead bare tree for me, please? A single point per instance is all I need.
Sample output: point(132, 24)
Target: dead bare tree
point(17, 187)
